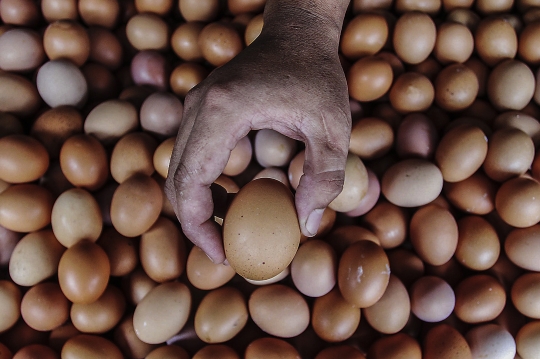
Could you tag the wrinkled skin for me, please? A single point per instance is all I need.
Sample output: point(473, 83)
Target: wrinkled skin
point(290, 80)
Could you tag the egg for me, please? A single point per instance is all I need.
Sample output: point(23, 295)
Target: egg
point(10, 298)
point(272, 149)
point(527, 342)
point(495, 40)
point(371, 138)
point(270, 348)
point(253, 29)
point(365, 34)
point(202, 273)
point(161, 114)
point(98, 121)
point(405, 265)
point(19, 12)
point(137, 284)
point(388, 222)
point(184, 41)
point(213, 350)
point(18, 95)
point(479, 298)
point(44, 307)
point(22, 159)
point(369, 78)
point(516, 202)
point(221, 315)
point(88, 346)
point(354, 187)
point(168, 351)
point(204, 11)
point(162, 313)
point(66, 39)
point(239, 158)
point(491, 341)
point(60, 82)
point(127, 341)
point(454, 43)
point(132, 154)
point(260, 231)
point(445, 342)
point(394, 347)
point(475, 195)
point(511, 85)
point(416, 136)
point(432, 299)
point(478, 245)
point(150, 68)
point(21, 50)
point(121, 251)
point(25, 207)
point(519, 120)
point(333, 318)
point(411, 92)
point(99, 12)
point(35, 258)
point(279, 310)
point(105, 48)
point(414, 37)
point(219, 43)
point(341, 351)
point(186, 76)
point(456, 87)
point(524, 293)
point(61, 334)
point(371, 198)
point(521, 247)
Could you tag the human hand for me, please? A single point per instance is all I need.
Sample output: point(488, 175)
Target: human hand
point(290, 80)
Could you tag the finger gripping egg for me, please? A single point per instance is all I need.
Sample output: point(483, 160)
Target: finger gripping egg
point(261, 233)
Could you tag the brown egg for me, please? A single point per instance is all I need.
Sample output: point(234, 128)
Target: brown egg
point(354, 187)
point(162, 156)
point(21, 50)
point(60, 82)
point(35, 258)
point(100, 12)
point(475, 195)
point(524, 294)
point(370, 199)
point(528, 44)
point(455, 43)
point(478, 243)
point(54, 126)
point(432, 299)
point(411, 92)
point(363, 273)
point(521, 247)
point(171, 352)
point(333, 318)
point(36, 351)
point(105, 48)
point(137, 284)
point(344, 351)
point(120, 250)
point(102, 84)
point(67, 39)
point(519, 120)
point(429, 68)
point(412, 183)
point(22, 159)
point(370, 5)
point(10, 310)
point(90, 346)
point(212, 351)
point(110, 120)
point(136, 205)
point(221, 315)
point(197, 10)
point(19, 12)
point(461, 152)
point(273, 149)
point(133, 154)
point(162, 313)
point(516, 202)
point(53, 10)
point(270, 348)
point(279, 310)
point(481, 71)
point(296, 169)
point(445, 342)
point(269, 252)
point(239, 158)
point(414, 37)
point(314, 267)
point(203, 274)
point(5, 353)
point(277, 174)
point(371, 137)
point(44, 307)
point(83, 272)
point(104, 198)
point(456, 87)
point(491, 341)
point(511, 85)
point(242, 6)
point(147, 31)
point(19, 96)
point(161, 114)
point(186, 76)
point(76, 216)
point(495, 40)
point(25, 208)
point(131, 346)
point(391, 313)
point(220, 42)
point(10, 125)
point(253, 29)
point(431, 7)
point(527, 342)
point(405, 265)
point(479, 298)
point(184, 41)
point(395, 346)
point(61, 334)
point(388, 223)
point(365, 34)
point(101, 315)
point(369, 78)
point(160, 7)
point(8, 242)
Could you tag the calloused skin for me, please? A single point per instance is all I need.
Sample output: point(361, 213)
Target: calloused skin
point(290, 80)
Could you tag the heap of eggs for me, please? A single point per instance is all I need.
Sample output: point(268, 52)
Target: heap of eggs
point(430, 251)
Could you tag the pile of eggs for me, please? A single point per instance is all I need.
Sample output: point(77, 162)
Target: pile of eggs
point(431, 251)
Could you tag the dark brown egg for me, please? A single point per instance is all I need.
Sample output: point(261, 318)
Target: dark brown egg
point(105, 48)
point(44, 307)
point(479, 298)
point(25, 207)
point(388, 222)
point(120, 250)
point(219, 42)
point(478, 243)
point(242, 6)
point(67, 39)
point(100, 12)
point(495, 40)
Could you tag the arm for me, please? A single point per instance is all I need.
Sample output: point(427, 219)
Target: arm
point(289, 80)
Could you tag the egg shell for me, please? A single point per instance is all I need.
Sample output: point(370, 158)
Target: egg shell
point(270, 348)
point(83, 272)
point(354, 187)
point(21, 50)
point(203, 274)
point(161, 114)
point(414, 37)
point(411, 92)
point(219, 43)
point(133, 153)
point(279, 277)
point(147, 31)
point(395, 346)
point(511, 85)
point(522, 246)
point(110, 120)
point(121, 251)
point(405, 265)
point(136, 205)
point(371, 137)
point(18, 95)
point(474, 195)
point(60, 82)
point(341, 351)
point(105, 48)
point(495, 40)
point(186, 76)
point(520, 120)
point(455, 43)
point(168, 352)
point(412, 182)
point(491, 341)
point(365, 34)
point(445, 342)
point(370, 199)
point(44, 307)
point(524, 293)
point(35, 258)
point(527, 340)
point(99, 12)
point(10, 310)
point(215, 350)
point(388, 222)
point(416, 136)
point(36, 351)
point(204, 11)
point(25, 207)
point(22, 159)
point(162, 313)
point(136, 285)
point(261, 232)
point(432, 299)
point(90, 346)
point(221, 315)
point(363, 273)
point(456, 87)
point(516, 202)
point(478, 245)
point(275, 173)
point(369, 78)
point(67, 39)
point(253, 29)
point(279, 310)
point(184, 41)
point(272, 149)
point(479, 298)
point(131, 346)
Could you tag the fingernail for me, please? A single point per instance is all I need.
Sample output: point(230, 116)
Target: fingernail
point(313, 221)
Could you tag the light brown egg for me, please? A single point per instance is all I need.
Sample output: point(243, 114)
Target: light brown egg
point(60, 82)
point(161, 114)
point(411, 92)
point(365, 34)
point(519, 120)
point(35, 258)
point(363, 273)
point(271, 250)
point(21, 50)
point(186, 76)
point(521, 247)
point(203, 274)
point(221, 315)
point(343, 236)
point(391, 313)
point(456, 87)
point(25, 207)
point(314, 267)
point(162, 313)
point(511, 85)
point(83, 272)
point(22, 159)
point(370, 199)
point(495, 40)
point(10, 310)
point(527, 342)
point(516, 202)
point(213, 351)
point(445, 342)
point(394, 347)
point(121, 251)
point(270, 348)
point(184, 41)
point(19, 12)
point(19, 96)
point(44, 307)
point(432, 299)
point(354, 187)
point(277, 174)
point(162, 156)
point(414, 37)
point(296, 169)
point(220, 42)
point(475, 195)
point(160, 7)
point(479, 298)
point(90, 346)
point(76, 216)
point(239, 158)
point(455, 43)
point(412, 182)
point(197, 10)
point(133, 154)
point(101, 315)
point(273, 149)
point(67, 39)
point(170, 352)
point(127, 341)
point(100, 12)
point(491, 341)
point(524, 294)
point(369, 78)
point(110, 120)
point(53, 10)
point(371, 137)
point(137, 284)
point(405, 265)
point(242, 6)
point(279, 310)
point(136, 205)
point(147, 31)
point(478, 243)
point(333, 318)
point(388, 222)
point(253, 29)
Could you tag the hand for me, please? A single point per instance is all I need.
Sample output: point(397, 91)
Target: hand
point(289, 80)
